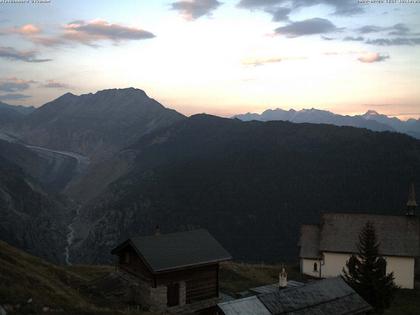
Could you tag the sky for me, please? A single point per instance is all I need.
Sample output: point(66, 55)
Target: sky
point(220, 57)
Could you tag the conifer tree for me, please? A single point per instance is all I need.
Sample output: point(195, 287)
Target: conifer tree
point(365, 272)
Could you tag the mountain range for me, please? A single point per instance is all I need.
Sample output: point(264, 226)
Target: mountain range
point(97, 168)
point(96, 125)
point(371, 119)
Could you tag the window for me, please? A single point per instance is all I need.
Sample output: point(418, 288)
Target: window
point(315, 267)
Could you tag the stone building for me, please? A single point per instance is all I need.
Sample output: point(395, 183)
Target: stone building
point(177, 271)
point(325, 248)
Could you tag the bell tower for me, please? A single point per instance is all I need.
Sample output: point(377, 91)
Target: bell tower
point(411, 203)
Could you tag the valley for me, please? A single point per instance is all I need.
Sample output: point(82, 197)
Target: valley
point(257, 180)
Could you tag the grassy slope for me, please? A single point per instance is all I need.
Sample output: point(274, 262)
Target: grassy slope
point(23, 276)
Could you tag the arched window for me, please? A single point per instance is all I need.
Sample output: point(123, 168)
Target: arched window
point(315, 267)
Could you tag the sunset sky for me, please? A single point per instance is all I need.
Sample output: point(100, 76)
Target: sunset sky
point(220, 57)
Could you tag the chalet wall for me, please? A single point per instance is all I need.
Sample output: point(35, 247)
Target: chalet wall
point(307, 267)
point(333, 264)
point(198, 283)
point(403, 268)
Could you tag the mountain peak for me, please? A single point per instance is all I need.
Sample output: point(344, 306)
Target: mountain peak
point(127, 91)
point(371, 112)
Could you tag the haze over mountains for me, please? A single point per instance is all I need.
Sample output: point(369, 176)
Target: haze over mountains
point(371, 119)
point(98, 168)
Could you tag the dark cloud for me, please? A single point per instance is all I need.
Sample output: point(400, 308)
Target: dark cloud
point(342, 7)
point(370, 29)
point(27, 56)
point(353, 39)
point(307, 27)
point(13, 96)
point(51, 84)
point(399, 41)
point(14, 85)
point(97, 30)
point(195, 9)
point(399, 29)
point(372, 57)
point(280, 14)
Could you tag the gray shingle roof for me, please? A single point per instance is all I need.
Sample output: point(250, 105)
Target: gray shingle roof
point(245, 306)
point(178, 250)
point(326, 297)
point(398, 235)
point(274, 287)
point(309, 241)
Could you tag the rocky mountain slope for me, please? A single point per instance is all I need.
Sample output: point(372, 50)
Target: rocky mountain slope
point(370, 120)
point(252, 184)
point(52, 170)
point(31, 218)
point(96, 125)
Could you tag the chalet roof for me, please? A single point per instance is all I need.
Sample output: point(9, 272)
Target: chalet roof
point(166, 252)
point(328, 297)
point(309, 241)
point(398, 235)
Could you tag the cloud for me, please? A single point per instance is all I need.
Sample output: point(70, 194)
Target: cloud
point(13, 96)
point(399, 29)
point(279, 14)
point(194, 9)
point(14, 85)
point(25, 30)
point(399, 41)
point(27, 56)
point(51, 84)
point(353, 39)
point(372, 57)
point(342, 7)
point(28, 29)
point(307, 27)
point(264, 61)
point(98, 30)
point(33, 33)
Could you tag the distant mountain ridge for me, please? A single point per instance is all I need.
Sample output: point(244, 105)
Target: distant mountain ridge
point(95, 125)
point(371, 119)
point(251, 184)
point(11, 114)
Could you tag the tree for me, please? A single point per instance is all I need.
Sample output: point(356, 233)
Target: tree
point(366, 272)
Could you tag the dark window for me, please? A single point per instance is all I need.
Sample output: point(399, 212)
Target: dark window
point(127, 258)
point(173, 294)
point(315, 267)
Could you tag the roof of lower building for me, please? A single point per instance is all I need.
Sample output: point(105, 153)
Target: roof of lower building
point(309, 241)
point(245, 306)
point(165, 252)
point(397, 235)
point(327, 297)
point(274, 287)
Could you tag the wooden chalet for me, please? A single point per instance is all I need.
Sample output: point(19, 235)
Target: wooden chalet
point(174, 271)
